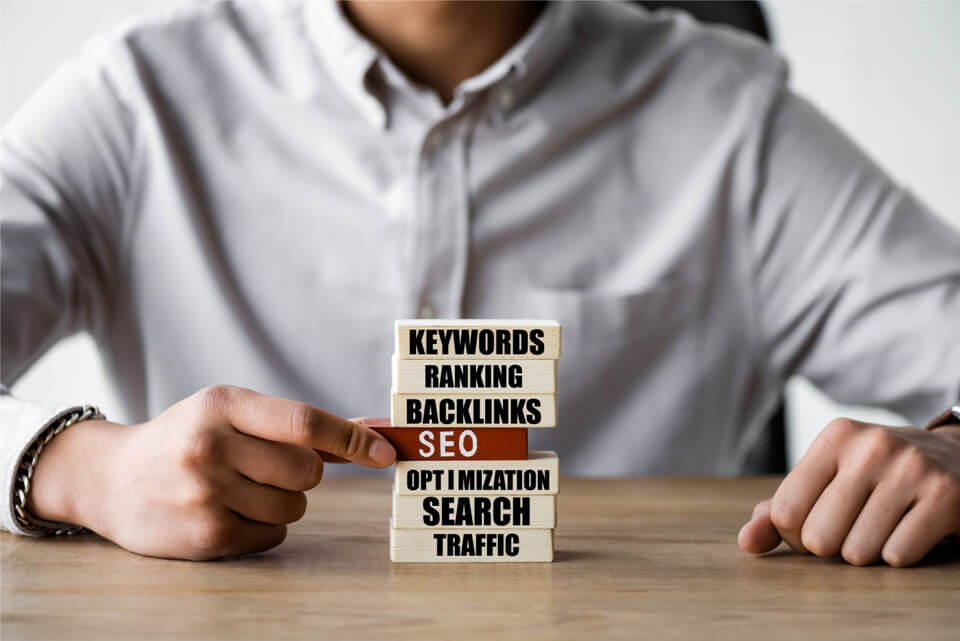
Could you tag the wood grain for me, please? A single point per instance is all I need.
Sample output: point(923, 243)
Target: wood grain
point(635, 559)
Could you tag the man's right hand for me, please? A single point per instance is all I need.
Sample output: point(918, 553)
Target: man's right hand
point(218, 474)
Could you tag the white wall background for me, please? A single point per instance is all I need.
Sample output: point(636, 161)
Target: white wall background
point(887, 72)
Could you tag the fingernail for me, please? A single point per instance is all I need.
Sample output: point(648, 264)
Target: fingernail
point(381, 452)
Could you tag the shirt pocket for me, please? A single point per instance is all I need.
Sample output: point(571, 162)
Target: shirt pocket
point(626, 355)
point(596, 317)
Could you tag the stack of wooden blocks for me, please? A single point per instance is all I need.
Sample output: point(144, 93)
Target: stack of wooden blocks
point(466, 488)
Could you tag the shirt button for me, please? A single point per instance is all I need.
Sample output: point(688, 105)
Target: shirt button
point(434, 140)
point(426, 311)
point(505, 100)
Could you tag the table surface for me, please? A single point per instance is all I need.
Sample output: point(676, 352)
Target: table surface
point(645, 558)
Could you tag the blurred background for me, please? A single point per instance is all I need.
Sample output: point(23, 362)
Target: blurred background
point(887, 72)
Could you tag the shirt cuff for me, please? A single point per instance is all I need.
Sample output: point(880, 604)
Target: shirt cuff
point(22, 422)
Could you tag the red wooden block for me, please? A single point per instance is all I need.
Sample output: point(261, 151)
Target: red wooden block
point(453, 443)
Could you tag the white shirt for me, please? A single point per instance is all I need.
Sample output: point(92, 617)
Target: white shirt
point(250, 193)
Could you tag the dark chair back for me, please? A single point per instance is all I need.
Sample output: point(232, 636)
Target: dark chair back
point(744, 15)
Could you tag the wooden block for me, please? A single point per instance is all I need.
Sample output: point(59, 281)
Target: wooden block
point(471, 546)
point(494, 410)
point(457, 443)
point(539, 474)
point(486, 338)
point(473, 376)
point(479, 511)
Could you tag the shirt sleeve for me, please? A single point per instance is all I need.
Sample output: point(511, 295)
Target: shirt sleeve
point(64, 187)
point(857, 283)
point(23, 422)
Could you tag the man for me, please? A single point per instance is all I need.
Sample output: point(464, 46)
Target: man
point(244, 196)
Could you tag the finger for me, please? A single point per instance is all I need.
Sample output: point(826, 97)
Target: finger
point(254, 537)
point(834, 513)
point(763, 507)
point(226, 533)
point(758, 535)
point(283, 420)
point(799, 492)
point(289, 467)
point(917, 532)
point(264, 503)
point(885, 507)
point(934, 517)
point(366, 421)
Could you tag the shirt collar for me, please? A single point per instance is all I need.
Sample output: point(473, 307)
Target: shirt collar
point(348, 56)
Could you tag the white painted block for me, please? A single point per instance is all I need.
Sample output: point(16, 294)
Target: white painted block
point(475, 410)
point(474, 376)
point(471, 546)
point(435, 511)
point(539, 474)
point(482, 338)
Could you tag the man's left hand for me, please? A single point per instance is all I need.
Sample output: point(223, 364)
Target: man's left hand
point(865, 492)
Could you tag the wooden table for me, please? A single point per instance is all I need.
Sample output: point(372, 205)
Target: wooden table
point(635, 559)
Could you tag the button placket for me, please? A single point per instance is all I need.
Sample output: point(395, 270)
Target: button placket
point(434, 141)
point(441, 217)
point(460, 221)
point(506, 100)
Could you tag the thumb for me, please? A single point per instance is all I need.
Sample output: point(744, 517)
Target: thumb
point(758, 535)
point(372, 423)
